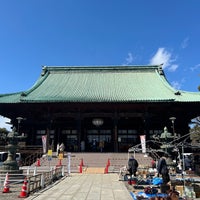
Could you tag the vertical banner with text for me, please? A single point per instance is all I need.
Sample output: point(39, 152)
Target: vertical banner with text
point(143, 143)
point(44, 143)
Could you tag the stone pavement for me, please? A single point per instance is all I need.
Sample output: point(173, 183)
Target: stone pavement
point(85, 187)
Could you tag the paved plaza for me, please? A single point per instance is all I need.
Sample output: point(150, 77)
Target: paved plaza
point(86, 187)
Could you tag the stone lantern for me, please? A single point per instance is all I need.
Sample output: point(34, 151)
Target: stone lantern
point(167, 139)
point(10, 165)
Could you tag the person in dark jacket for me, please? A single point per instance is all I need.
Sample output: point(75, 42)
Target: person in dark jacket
point(132, 166)
point(163, 169)
point(187, 163)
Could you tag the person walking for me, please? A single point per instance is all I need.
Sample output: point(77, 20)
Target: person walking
point(132, 166)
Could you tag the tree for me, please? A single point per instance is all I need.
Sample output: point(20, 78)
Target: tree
point(195, 131)
point(3, 133)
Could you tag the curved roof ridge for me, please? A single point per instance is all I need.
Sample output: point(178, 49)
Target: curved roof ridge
point(165, 81)
point(10, 94)
point(42, 78)
point(189, 92)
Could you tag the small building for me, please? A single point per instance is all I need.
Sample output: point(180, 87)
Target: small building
point(109, 105)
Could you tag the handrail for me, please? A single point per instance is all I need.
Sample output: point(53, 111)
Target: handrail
point(39, 181)
point(35, 182)
point(154, 154)
point(32, 158)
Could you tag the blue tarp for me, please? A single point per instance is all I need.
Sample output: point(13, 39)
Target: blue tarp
point(143, 194)
point(157, 181)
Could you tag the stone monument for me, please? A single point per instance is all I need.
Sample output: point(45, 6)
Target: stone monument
point(167, 146)
point(10, 165)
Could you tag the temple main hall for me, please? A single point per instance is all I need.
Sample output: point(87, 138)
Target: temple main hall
point(95, 108)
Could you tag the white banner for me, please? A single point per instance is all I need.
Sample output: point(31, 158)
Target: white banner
point(44, 143)
point(143, 143)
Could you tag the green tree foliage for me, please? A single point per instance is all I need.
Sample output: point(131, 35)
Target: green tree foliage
point(3, 134)
point(4, 130)
point(195, 131)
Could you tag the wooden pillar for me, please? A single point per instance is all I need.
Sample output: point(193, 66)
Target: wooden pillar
point(146, 122)
point(115, 122)
point(78, 126)
point(47, 139)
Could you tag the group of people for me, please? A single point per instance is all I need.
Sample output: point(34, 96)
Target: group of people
point(161, 166)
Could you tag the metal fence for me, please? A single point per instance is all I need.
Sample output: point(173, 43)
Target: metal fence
point(41, 180)
point(36, 180)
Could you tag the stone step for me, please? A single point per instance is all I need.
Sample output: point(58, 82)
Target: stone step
point(94, 170)
point(96, 160)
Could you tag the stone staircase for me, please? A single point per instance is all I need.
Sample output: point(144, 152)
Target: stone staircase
point(94, 170)
point(95, 162)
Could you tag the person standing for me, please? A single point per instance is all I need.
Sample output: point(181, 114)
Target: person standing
point(132, 166)
point(153, 163)
point(163, 169)
point(82, 145)
point(187, 163)
point(58, 149)
point(101, 145)
point(62, 148)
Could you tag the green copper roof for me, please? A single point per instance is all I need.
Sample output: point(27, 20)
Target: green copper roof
point(101, 84)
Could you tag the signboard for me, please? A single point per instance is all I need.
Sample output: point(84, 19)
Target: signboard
point(60, 156)
point(49, 158)
point(50, 152)
point(49, 155)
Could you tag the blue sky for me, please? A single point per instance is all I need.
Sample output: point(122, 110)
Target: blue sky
point(98, 32)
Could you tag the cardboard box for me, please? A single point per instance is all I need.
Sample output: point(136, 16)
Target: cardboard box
point(179, 188)
point(197, 194)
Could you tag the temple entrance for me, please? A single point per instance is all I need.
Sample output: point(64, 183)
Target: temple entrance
point(99, 140)
point(70, 140)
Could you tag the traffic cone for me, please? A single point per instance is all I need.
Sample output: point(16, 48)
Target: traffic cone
point(80, 168)
point(6, 185)
point(106, 169)
point(38, 163)
point(59, 163)
point(82, 162)
point(108, 163)
point(24, 193)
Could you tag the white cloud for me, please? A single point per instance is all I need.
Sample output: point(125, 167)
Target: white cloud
point(129, 59)
point(185, 42)
point(162, 56)
point(3, 123)
point(176, 85)
point(196, 67)
point(172, 68)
